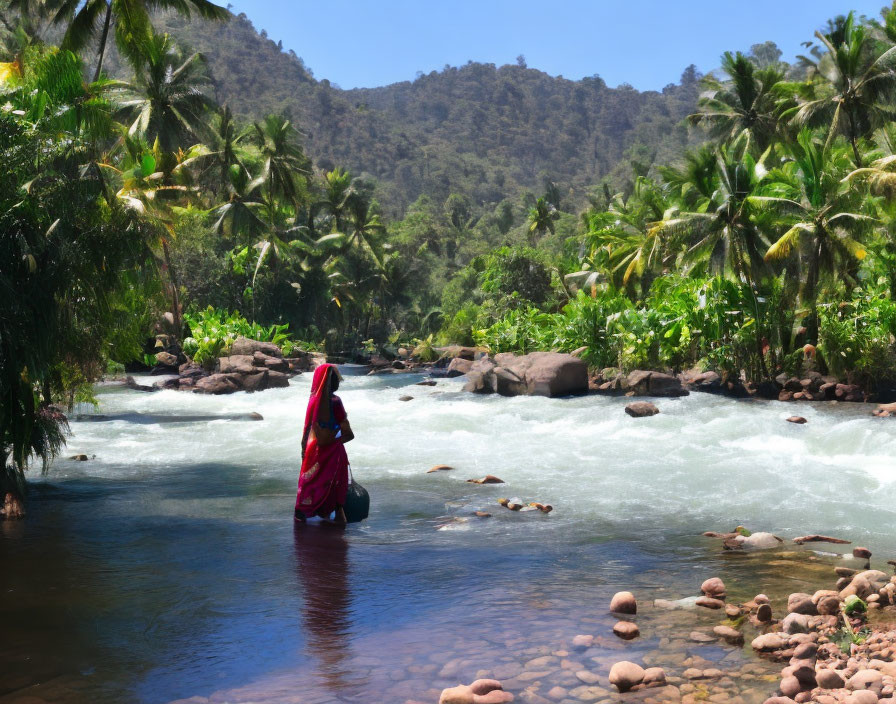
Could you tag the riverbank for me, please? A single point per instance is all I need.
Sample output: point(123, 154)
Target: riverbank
point(163, 569)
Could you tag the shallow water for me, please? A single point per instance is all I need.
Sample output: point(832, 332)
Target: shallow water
point(168, 565)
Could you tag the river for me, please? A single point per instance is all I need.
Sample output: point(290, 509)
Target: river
point(167, 566)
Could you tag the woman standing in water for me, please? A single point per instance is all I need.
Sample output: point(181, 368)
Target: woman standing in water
point(323, 482)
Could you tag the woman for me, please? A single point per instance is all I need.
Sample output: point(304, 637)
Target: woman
point(323, 482)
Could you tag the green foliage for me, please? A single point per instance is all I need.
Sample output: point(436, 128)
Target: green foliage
point(212, 332)
point(856, 337)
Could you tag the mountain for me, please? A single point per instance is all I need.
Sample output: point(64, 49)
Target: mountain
point(485, 131)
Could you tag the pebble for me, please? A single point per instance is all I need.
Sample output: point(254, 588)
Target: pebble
point(732, 635)
point(764, 613)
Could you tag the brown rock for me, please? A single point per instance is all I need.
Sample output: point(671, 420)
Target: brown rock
point(641, 409)
point(487, 479)
point(237, 364)
point(626, 630)
point(710, 603)
point(790, 686)
point(218, 384)
point(767, 642)
point(764, 613)
point(439, 468)
point(799, 420)
point(799, 603)
point(624, 603)
point(829, 679)
point(713, 587)
point(244, 346)
point(625, 675)
point(861, 553)
point(731, 635)
point(459, 367)
point(866, 679)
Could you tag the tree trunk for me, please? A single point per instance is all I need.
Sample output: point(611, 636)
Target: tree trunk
point(175, 297)
point(104, 38)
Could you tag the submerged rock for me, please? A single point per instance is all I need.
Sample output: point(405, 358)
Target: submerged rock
point(626, 630)
point(439, 468)
point(487, 479)
point(480, 692)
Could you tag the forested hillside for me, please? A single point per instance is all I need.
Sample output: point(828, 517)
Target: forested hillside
point(484, 131)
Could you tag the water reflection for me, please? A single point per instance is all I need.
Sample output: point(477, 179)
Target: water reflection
point(323, 574)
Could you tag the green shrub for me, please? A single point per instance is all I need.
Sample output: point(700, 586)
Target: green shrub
point(212, 332)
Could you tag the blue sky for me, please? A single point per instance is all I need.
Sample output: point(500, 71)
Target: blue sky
point(647, 43)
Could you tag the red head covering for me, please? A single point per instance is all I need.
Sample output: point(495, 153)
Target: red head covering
point(319, 386)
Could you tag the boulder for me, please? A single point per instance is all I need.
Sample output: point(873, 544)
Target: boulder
point(641, 409)
point(624, 603)
point(218, 384)
point(649, 383)
point(798, 420)
point(866, 679)
point(799, 603)
point(534, 374)
point(710, 603)
point(487, 479)
point(237, 364)
point(166, 360)
point(132, 384)
point(258, 381)
point(768, 642)
point(795, 623)
point(459, 367)
point(829, 679)
point(713, 587)
point(861, 553)
point(706, 382)
point(625, 675)
point(277, 380)
point(244, 346)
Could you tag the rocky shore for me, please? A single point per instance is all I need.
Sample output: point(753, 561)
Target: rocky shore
point(250, 366)
point(836, 645)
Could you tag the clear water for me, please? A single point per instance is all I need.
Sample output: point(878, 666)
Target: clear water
point(168, 566)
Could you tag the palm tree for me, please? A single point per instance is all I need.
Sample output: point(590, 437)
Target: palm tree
point(337, 191)
point(223, 151)
point(718, 229)
point(167, 101)
point(365, 229)
point(541, 220)
point(623, 233)
point(131, 19)
point(283, 159)
point(744, 104)
point(819, 212)
point(860, 75)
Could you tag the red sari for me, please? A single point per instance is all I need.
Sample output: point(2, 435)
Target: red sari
point(323, 481)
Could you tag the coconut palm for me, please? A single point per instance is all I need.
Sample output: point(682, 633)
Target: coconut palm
point(224, 149)
point(337, 192)
point(860, 83)
point(282, 158)
point(745, 104)
point(542, 217)
point(718, 230)
point(130, 17)
point(167, 101)
point(821, 215)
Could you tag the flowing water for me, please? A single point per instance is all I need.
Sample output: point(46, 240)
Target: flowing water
point(168, 566)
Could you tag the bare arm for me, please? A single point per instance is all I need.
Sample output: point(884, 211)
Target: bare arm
point(347, 434)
